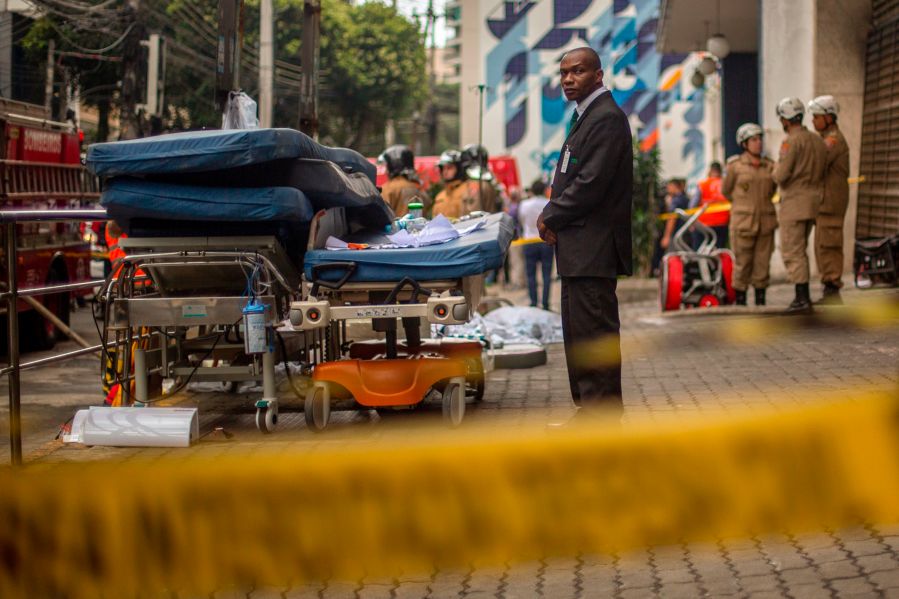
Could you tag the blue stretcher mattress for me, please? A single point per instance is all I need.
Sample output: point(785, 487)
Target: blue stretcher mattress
point(199, 151)
point(126, 199)
point(323, 182)
point(472, 254)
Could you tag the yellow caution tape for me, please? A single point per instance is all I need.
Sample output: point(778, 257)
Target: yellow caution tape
point(439, 500)
point(527, 240)
point(712, 209)
point(725, 206)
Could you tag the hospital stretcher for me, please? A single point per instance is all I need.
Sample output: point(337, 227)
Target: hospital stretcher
point(199, 247)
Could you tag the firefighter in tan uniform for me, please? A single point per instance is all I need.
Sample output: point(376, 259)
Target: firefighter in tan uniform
point(829, 223)
point(403, 186)
point(481, 180)
point(749, 188)
point(800, 174)
point(456, 199)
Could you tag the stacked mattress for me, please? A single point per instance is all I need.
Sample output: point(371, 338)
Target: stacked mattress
point(272, 182)
point(224, 182)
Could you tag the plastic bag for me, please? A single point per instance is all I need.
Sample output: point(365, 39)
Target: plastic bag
point(240, 112)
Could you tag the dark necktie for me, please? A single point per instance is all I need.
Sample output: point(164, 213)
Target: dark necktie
point(571, 122)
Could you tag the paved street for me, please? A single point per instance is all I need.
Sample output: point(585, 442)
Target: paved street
point(673, 366)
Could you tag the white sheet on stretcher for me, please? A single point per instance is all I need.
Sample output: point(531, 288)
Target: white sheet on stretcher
point(439, 230)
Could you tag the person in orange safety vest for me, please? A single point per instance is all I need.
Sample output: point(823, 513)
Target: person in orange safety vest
point(710, 193)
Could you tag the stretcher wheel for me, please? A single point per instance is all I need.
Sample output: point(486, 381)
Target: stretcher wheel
point(317, 408)
point(454, 403)
point(672, 283)
point(267, 418)
point(726, 257)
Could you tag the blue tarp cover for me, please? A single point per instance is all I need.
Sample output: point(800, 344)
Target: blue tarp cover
point(198, 151)
point(126, 199)
point(472, 254)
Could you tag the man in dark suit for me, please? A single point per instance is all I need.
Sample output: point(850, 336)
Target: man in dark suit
point(588, 219)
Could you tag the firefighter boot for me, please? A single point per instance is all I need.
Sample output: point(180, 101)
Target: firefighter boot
point(759, 297)
point(802, 303)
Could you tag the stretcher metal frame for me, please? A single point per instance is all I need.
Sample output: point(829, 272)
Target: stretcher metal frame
point(387, 374)
point(194, 303)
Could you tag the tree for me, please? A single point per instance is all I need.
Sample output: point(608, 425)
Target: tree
point(372, 61)
point(645, 207)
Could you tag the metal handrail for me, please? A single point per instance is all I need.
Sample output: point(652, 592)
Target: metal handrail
point(10, 218)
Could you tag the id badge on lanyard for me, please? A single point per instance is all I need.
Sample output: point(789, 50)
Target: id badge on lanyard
point(566, 157)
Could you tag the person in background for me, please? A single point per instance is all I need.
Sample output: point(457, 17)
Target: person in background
point(403, 186)
point(829, 222)
point(749, 187)
point(799, 173)
point(537, 252)
point(675, 198)
point(454, 200)
point(482, 183)
point(710, 193)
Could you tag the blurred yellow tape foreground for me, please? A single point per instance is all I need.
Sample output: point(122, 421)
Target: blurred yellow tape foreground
point(117, 530)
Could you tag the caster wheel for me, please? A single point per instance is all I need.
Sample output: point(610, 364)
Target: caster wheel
point(317, 408)
point(454, 404)
point(266, 419)
point(709, 301)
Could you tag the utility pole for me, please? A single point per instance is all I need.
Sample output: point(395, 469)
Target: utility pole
point(432, 81)
point(266, 62)
point(312, 13)
point(416, 116)
point(132, 79)
point(48, 84)
point(227, 70)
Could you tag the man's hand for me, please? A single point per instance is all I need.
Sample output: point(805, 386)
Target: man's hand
point(665, 242)
point(545, 232)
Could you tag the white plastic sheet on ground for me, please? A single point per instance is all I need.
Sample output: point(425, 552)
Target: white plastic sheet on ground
point(509, 324)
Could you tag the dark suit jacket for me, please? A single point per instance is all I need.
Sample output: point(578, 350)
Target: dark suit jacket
point(590, 207)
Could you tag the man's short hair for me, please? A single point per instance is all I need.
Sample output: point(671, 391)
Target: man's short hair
point(715, 166)
point(591, 55)
point(538, 187)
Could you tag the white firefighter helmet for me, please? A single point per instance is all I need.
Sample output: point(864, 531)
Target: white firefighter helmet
point(790, 108)
point(748, 130)
point(824, 105)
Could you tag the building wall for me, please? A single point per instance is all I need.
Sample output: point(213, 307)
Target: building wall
point(825, 42)
point(841, 40)
point(786, 60)
point(517, 51)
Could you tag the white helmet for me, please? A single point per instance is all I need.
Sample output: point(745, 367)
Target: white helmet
point(746, 131)
point(824, 105)
point(790, 108)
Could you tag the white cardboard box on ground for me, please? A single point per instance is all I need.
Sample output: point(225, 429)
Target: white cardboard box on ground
point(135, 427)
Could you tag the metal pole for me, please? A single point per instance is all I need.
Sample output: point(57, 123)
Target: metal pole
point(266, 62)
point(312, 12)
point(153, 107)
point(141, 387)
point(481, 89)
point(12, 314)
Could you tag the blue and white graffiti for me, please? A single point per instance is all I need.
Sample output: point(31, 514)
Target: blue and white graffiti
point(524, 104)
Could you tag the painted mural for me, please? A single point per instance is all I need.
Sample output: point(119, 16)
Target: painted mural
point(524, 103)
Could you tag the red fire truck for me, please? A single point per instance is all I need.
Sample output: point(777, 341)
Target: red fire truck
point(40, 168)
